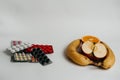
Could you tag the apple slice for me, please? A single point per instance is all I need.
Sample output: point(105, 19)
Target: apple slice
point(100, 50)
point(87, 47)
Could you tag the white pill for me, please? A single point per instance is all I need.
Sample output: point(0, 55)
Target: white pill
point(16, 54)
point(20, 47)
point(28, 56)
point(17, 58)
point(28, 44)
point(25, 46)
point(11, 50)
point(17, 49)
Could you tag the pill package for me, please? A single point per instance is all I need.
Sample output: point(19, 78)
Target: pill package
point(23, 57)
point(40, 56)
point(32, 53)
point(47, 49)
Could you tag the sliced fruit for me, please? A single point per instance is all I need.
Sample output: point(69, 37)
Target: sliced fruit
point(90, 38)
point(100, 50)
point(87, 47)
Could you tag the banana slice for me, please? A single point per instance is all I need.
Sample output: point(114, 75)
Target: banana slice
point(100, 50)
point(87, 47)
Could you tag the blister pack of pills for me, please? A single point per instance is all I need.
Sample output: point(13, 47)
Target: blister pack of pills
point(47, 49)
point(33, 53)
point(41, 56)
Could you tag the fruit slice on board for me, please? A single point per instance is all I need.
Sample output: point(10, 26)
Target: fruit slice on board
point(100, 50)
point(87, 47)
point(90, 38)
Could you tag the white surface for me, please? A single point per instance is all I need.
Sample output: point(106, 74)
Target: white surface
point(58, 22)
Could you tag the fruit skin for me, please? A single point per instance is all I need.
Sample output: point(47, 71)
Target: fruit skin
point(110, 58)
point(90, 38)
point(75, 56)
point(83, 60)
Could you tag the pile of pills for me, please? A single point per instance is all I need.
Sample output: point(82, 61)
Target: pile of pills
point(26, 52)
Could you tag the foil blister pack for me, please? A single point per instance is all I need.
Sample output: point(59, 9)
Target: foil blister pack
point(32, 53)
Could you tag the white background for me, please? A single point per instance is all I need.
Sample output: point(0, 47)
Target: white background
point(58, 22)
